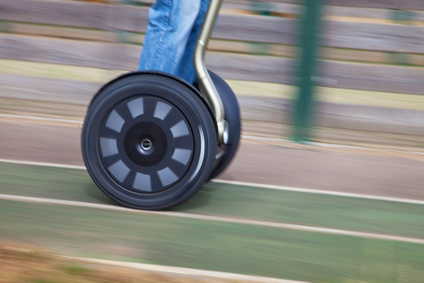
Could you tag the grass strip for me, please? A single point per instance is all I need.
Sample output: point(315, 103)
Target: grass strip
point(227, 247)
point(218, 199)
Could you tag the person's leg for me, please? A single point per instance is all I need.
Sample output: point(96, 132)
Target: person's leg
point(170, 25)
point(186, 67)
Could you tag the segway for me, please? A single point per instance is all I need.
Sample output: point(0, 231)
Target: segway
point(150, 140)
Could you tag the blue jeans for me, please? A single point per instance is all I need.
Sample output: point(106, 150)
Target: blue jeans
point(174, 26)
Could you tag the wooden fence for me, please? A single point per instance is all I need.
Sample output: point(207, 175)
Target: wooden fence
point(366, 45)
point(382, 56)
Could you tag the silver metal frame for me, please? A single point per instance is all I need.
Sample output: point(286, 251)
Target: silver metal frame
point(207, 87)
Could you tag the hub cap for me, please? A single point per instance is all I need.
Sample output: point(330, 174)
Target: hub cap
point(146, 144)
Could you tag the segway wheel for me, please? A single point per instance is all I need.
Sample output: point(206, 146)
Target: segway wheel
point(227, 152)
point(149, 141)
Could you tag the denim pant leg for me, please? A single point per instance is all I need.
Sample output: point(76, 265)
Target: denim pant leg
point(170, 25)
point(186, 68)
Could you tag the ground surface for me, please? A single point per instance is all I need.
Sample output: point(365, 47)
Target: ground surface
point(347, 210)
point(24, 263)
point(235, 228)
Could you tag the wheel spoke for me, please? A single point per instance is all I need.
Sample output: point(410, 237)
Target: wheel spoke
point(119, 170)
point(136, 107)
point(167, 176)
point(162, 110)
point(115, 121)
point(182, 155)
point(142, 182)
point(180, 129)
point(108, 147)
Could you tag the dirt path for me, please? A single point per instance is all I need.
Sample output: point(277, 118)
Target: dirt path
point(374, 172)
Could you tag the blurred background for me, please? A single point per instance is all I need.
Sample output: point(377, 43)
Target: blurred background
point(332, 99)
point(369, 76)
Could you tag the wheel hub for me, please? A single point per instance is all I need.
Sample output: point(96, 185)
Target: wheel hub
point(145, 144)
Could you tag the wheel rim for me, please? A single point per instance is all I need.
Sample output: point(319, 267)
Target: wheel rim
point(146, 144)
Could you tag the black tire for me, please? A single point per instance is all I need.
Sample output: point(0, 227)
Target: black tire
point(232, 115)
point(149, 141)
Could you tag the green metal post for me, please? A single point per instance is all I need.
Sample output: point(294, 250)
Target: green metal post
point(309, 39)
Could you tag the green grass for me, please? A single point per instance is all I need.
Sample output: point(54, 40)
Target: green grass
point(74, 269)
point(233, 201)
point(213, 245)
point(209, 245)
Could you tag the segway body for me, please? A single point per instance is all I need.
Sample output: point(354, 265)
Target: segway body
point(150, 140)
